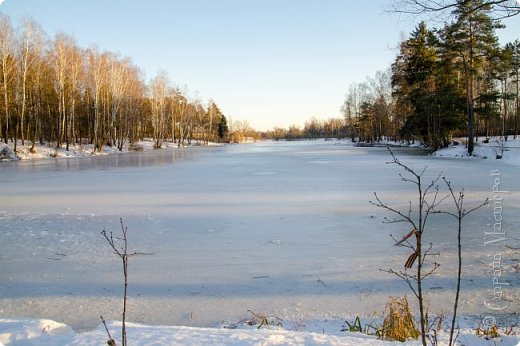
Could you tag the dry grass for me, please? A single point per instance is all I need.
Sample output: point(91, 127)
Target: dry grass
point(399, 324)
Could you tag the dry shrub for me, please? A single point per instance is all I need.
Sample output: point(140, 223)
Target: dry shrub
point(399, 324)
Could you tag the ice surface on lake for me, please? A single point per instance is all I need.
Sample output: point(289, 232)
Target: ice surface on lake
point(277, 228)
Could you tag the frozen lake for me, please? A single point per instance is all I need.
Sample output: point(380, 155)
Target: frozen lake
point(277, 228)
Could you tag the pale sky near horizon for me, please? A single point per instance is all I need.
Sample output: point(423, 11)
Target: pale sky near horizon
point(270, 62)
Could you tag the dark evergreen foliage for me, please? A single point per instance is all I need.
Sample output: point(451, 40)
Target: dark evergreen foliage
point(222, 127)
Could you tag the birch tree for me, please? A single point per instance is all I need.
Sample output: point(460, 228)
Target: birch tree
point(135, 106)
point(58, 92)
point(75, 72)
point(158, 102)
point(26, 60)
point(8, 68)
point(97, 66)
point(61, 61)
point(38, 72)
point(118, 82)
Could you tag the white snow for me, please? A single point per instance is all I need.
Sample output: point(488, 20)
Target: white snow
point(283, 229)
point(34, 332)
point(43, 151)
point(490, 150)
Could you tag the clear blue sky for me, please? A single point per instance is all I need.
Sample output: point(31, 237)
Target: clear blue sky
point(271, 62)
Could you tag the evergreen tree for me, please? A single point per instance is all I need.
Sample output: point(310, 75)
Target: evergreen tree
point(222, 127)
point(420, 63)
point(416, 83)
point(472, 38)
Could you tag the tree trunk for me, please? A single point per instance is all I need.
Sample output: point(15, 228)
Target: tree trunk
point(6, 103)
point(459, 272)
point(517, 103)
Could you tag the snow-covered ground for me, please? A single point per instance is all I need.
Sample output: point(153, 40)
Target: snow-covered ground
point(45, 151)
point(486, 149)
point(282, 229)
point(35, 332)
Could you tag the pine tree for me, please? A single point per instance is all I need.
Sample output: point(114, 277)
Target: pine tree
point(472, 38)
point(222, 127)
point(416, 85)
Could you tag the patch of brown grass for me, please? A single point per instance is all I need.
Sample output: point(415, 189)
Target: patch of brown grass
point(399, 324)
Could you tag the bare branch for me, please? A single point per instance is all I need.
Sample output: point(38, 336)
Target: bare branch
point(500, 8)
point(380, 204)
point(430, 272)
point(406, 243)
point(483, 203)
point(405, 277)
point(405, 167)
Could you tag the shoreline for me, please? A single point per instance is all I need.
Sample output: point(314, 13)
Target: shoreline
point(46, 152)
point(509, 152)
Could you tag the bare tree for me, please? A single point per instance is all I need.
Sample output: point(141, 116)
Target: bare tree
point(240, 130)
point(201, 121)
point(122, 252)
point(135, 113)
point(502, 8)
point(8, 62)
point(189, 111)
point(427, 201)
point(61, 63)
point(40, 69)
point(75, 71)
point(31, 71)
point(26, 60)
point(119, 82)
point(459, 214)
point(158, 101)
point(97, 63)
point(179, 112)
point(55, 91)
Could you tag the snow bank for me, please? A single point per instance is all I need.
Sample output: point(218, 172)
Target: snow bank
point(488, 151)
point(32, 332)
point(46, 332)
point(23, 152)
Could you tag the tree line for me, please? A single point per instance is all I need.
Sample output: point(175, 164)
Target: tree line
point(455, 80)
point(312, 129)
point(54, 91)
point(450, 81)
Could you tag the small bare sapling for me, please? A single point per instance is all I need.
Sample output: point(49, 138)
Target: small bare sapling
point(120, 247)
point(427, 195)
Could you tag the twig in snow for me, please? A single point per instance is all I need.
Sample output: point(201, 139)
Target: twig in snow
point(110, 341)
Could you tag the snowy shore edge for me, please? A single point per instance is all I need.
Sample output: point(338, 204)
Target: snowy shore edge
point(487, 149)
